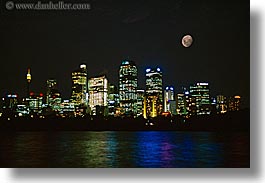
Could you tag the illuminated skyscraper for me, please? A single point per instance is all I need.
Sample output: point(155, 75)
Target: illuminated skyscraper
point(35, 103)
point(150, 106)
point(201, 95)
point(98, 95)
point(154, 91)
point(128, 88)
point(173, 107)
point(55, 100)
point(9, 103)
point(79, 86)
point(51, 85)
point(113, 100)
point(154, 82)
point(189, 102)
point(221, 104)
point(181, 104)
point(168, 96)
point(234, 103)
point(140, 102)
point(67, 109)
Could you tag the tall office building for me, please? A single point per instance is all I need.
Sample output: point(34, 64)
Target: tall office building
point(173, 107)
point(201, 96)
point(128, 88)
point(140, 102)
point(35, 103)
point(10, 101)
point(154, 82)
point(9, 104)
point(234, 103)
point(55, 100)
point(113, 99)
point(181, 101)
point(221, 104)
point(67, 109)
point(50, 85)
point(150, 106)
point(190, 102)
point(154, 92)
point(168, 96)
point(98, 95)
point(79, 86)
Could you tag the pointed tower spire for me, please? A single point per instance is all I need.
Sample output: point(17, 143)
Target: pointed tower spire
point(28, 76)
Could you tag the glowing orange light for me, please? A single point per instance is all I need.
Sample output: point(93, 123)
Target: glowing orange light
point(166, 114)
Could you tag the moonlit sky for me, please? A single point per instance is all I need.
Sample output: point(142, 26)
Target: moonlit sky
point(149, 32)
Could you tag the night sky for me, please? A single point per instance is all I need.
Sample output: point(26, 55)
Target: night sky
point(149, 32)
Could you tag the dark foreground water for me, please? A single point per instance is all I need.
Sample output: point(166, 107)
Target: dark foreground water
point(124, 149)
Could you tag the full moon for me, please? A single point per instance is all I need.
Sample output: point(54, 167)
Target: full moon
point(187, 41)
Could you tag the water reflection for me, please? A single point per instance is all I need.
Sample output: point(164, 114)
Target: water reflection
point(112, 146)
point(175, 149)
point(124, 149)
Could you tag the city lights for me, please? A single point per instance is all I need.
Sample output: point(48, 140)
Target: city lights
point(98, 91)
point(127, 88)
point(154, 92)
point(96, 96)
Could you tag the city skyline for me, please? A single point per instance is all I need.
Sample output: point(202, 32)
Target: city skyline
point(97, 97)
point(66, 94)
point(50, 80)
point(147, 32)
point(51, 84)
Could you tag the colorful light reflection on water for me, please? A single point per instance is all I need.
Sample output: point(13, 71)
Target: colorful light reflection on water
point(124, 149)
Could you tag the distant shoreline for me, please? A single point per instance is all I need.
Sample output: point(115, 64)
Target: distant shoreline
point(234, 121)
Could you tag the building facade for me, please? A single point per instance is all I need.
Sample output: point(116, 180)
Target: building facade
point(221, 104)
point(79, 86)
point(67, 109)
point(173, 107)
point(190, 102)
point(113, 100)
point(140, 102)
point(154, 92)
point(50, 85)
point(234, 103)
point(150, 106)
point(128, 88)
point(181, 104)
point(98, 95)
point(35, 103)
point(9, 104)
point(200, 94)
point(168, 96)
point(55, 100)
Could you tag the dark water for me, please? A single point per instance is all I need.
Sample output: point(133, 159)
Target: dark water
point(124, 149)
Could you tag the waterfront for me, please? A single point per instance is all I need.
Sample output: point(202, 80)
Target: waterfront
point(124, 149)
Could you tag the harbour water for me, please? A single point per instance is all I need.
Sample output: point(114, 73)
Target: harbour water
point(150, 149)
